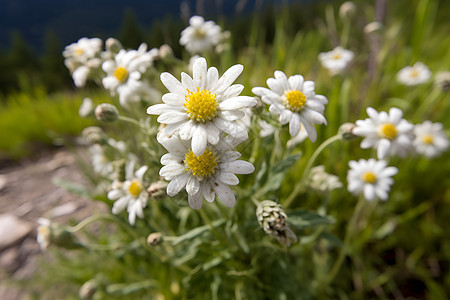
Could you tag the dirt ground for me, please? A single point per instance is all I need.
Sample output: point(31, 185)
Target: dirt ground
point(27, 193)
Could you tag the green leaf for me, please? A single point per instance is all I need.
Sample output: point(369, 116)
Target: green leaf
point(71, 187)
point(119, 289)
point(197, 231)
point(278, 172)
point(303, 219)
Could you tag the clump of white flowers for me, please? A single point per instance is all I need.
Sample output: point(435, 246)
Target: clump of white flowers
point(389, 133)
point(430, 139)
point(200, 36)
point(414, 75)
point(322, 181)
point(371, 178)
point(336, 60)
point(295, 100)
point(199, 111)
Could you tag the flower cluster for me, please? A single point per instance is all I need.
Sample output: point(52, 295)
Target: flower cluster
point(201, 114)
point(336, 60)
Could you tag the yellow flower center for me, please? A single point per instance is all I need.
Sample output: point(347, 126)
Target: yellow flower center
point(135, 188)
point(336, 56)
point(387, 131)
point(428, 139)
point(201, 105)
point(414, 73)
point(369, 177)
point(199, 33)
point(203, 165)
point(44, 230)
point(295, 100)
point(79, 51)
point(121, 73)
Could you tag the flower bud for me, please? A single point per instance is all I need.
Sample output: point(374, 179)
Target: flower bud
point(320, 180)
point(373, 27)
point(157, 188)
point(106, 112)
point(442, 80)
point(272, 219)
point(49, 233)
point(165, 52)
point(154, 239)
point(86, 107)
point(113, 45)
point(88, 289)
point(94, 135)
point(346, 131)
point(347, 10)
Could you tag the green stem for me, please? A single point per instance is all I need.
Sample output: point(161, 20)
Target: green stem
point(130, 120)
point(351, 225)
point(299, 187)
point(90, 220)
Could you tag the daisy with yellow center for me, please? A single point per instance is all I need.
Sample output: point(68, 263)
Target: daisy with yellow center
point(387, 132)
point(125, 75)
point(205, 175)
point(200, 36)
point(131, 194)
point(414, 75)
point(430, 139)
point(200, 107)
point(295, 100)
point(336, 60)
point(371, 178)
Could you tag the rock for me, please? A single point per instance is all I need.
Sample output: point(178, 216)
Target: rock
point(12, 230)
point(3, 182)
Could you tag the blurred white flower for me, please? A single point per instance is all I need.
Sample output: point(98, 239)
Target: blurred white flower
point(44, 233)
point(79, 53)
point(99, 161)
point(320, 180)
point(200, 108)
point(371, 178)
point(388, 133)
point(295, 101)
point(336, 60)
point(200, 36)
point(131, 194)
point(414, 75)
point(86, 107)
point(80, 76)
point(124, 75)
point(203, 175)
point(430, 139)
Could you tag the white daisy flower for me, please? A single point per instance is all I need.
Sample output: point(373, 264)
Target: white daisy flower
point(414, 75)
point(124, 75)
point(201, 107)
point(320, 180)
point(203, 175)
point(131, 194)
point(295, 101)
point(336, 60)
point(99, 161)
point(430, 139)
point(388, 133)
point(43, 233)
point(79, 53)
point(370, 177)
point(200, 36)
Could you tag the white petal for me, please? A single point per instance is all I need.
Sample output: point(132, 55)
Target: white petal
point(296, 82)
point(294, 125)
point(227, 178)
point(212, 78)
point(224, 193)
point(383, 148)
point(199, 140)
point(237, 103)
point(208, 192)
point(195, 200)
point(172, 170)
point(286, 116)
point(172, 117)
point(115, 194)
point(237, 167)
point(310, 129)
point(369, 192)
point(172, 84)
point(188, 82)
point(176, 184)
point(229, 77)
point(192, 185)
point(140, 172)
point(199, 70)
point(173, 99)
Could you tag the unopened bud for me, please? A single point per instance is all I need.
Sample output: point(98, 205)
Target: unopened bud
point(347, 10)
point(165, 52)
point(106, 112)
point(442, 80)
point(346, 131)
point(113, 45)
point(373, 27)
point(157, 188)
point(88, 289)
point(154, 239)
point(94, 135)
